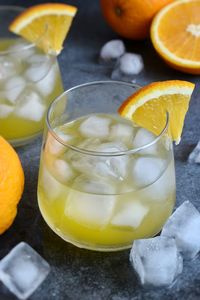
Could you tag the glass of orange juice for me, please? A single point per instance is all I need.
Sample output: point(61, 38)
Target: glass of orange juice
point(29, 81)
point(103, 181)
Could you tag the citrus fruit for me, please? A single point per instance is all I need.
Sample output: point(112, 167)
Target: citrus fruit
point(148, 106)
point(46, 25)
point(11, 184)
point(131, 18)
point(175, 34)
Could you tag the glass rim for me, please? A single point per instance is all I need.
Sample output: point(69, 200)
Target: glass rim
point(23, 48)
point(98, 153)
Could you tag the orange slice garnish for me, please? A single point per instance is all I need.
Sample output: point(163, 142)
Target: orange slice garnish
point(148, 106)
point(46, 25)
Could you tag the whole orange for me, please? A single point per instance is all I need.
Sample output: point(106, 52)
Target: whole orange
point(11, 184)
point(131, 18)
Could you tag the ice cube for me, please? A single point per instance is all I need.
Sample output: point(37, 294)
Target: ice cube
point(88, 184)
point(115, 146)
point(144, 137)
point(116, 165)
point(30, 106)
point(63, 170)
point(130, 214)
point(39, 67)
point(184, 226)
point(51, 187)
point(194, 156)
point(55, 147)
point(13, 88)
point(47, 84)
point(131, 64)
point(9, 66)
point(89, 144)
point(118, 75)
point(21, 50)
point(23, 270)
point(108, 167)
point(127, 67)
point(39, 59)
point(164, 188)
point(112, 50)
point(95, 126)
point(146, 170)
point(90, 209)
point(156, 260)
point(122, 132)
point(5, 110)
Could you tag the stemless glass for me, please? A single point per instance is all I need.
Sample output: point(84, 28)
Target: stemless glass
point(93, 191)
point(29, 81)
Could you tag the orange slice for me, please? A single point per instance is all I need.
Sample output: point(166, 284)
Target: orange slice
point(175, 34)
point(148, 106)
point(46, 25)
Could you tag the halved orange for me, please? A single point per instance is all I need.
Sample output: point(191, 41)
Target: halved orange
point(148, 106)
point(46, 25)
point(175, 34)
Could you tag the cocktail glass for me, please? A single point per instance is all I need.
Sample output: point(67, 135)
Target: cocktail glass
point(97, 189)
point(29, 81)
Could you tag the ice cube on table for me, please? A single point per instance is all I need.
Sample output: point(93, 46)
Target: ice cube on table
point(63, 170)
point(112, 50)
point(88, 184)
point(144, 137)
point(5, 110)
point(131, 64)
point(184, 226)
point(13, 88)
point(39, 67)
point(95, 126)
point(146, 170)
point(90, 209)
point(130, 214)
point(127, 67)
point(122, 132)
point(156, 260)
point(47, 83)
point(194, 156)
point(30, 106)
point(23, 270)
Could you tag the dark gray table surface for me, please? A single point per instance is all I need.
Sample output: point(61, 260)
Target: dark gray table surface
point(81, 274)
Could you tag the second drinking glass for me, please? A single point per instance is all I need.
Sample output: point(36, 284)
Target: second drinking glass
point(29, 81)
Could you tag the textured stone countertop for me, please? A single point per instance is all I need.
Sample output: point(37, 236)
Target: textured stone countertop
point(81, 274)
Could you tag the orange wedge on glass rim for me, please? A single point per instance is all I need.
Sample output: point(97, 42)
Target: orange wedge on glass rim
point(149, 105)
point(46, 25)
point(175, 34)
